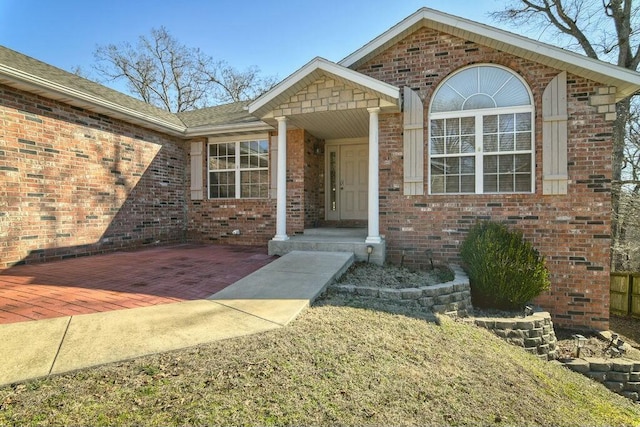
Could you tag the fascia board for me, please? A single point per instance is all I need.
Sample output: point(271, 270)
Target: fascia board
point(574, 62)
point(231, 128)
point(312, 67)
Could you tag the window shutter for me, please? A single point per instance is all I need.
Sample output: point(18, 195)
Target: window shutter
point(197, 189)
point(554, 136)
point(413, 143)
point(273, 164)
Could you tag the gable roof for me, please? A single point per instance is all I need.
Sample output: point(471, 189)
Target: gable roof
point(312, 71)
point(227, 119)
point(626, 81)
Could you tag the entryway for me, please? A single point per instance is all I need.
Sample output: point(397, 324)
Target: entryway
point(347, 179)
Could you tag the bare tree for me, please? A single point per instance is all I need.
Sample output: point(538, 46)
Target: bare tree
point(161, 71)
point(608, 30)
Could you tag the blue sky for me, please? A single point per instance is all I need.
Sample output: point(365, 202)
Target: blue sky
point(277, 36)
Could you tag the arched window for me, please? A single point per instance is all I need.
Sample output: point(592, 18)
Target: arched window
point(481, 133)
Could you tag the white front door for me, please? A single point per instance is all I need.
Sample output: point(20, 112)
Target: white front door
point(347, 169)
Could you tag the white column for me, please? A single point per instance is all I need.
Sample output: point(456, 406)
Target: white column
point(374, 209)
point(281, 194)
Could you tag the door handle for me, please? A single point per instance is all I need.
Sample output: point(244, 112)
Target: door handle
point(342, 184)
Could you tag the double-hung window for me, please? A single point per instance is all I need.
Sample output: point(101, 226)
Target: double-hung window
point(239, 169)
point(481, 137)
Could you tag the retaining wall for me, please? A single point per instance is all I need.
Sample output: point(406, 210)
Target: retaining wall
point(619, 375)
point(454, 295)
point(534, 333)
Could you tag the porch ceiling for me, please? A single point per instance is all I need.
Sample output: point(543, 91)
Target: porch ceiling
point(333, 124)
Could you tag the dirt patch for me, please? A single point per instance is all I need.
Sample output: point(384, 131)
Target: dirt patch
point(393, 277)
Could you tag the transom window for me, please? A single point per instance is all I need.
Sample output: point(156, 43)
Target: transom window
point(239, 169)
point(481, 133)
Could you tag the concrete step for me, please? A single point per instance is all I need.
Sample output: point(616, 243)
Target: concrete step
point(354, 245)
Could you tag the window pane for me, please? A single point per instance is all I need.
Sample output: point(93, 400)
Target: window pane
point(523, 122)
point(490, 143)
point(505, 164)
point(506, 123)
point(437, 166)
point(490, 124)
point(480, 87)
point(467, 184)
point(222, 185)
point(468, 144)
point(478, 101)
point(513, 93)
point(437, 184)
point(523, 182)
point(490, 164)
point(506, 142)
point(523, 163)
point(453, 184)
point(221, 156)
point(452, 166)
point(490, 183)
point(523, 141)
point(437, 127)
point(505, 183)
point(467, 165)
point(254, 183)
point(453, 126)
point(453, 145)
point(437, 145)
point(457, 147)
point(468, 125)
point(447, 99)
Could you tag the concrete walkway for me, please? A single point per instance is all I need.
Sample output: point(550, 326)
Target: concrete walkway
point(267, 299)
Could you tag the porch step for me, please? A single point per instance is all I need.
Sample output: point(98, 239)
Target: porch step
point(350, 240)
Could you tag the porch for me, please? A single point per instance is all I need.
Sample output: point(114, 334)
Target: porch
point(336, 111)
point(335, 239)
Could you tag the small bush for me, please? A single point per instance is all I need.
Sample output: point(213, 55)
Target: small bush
point(505, 270)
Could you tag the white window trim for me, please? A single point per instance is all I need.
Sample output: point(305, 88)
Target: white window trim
point(238, 170)
point(479, 154)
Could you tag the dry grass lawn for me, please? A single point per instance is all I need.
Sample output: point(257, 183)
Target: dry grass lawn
point(336, 364)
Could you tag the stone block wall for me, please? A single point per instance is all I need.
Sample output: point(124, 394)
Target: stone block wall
point(534, 333)
point(454, 295)
point(73, 182)
point(572, 231)
point(326, 94)
point(619, 375)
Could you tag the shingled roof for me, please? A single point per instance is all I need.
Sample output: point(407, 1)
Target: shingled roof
point(35, 76)
point(29, 74)
point(233, 113)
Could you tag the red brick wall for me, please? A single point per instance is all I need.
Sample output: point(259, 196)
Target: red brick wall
point(214, 220)
point(74, 182)
point(572, 231)
point(314, 181)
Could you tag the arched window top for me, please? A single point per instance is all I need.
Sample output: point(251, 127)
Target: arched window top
point(479, 87)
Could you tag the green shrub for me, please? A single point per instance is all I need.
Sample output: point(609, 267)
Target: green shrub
point(505, 270)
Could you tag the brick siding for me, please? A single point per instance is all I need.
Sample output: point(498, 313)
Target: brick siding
point(76, 183)
point(215, 220)
point(572, 231)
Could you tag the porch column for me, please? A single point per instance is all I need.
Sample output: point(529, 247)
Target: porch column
point(374, 209)
point(281, 194)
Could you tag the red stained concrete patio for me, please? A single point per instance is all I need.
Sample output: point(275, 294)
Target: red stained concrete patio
point(122, 280)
